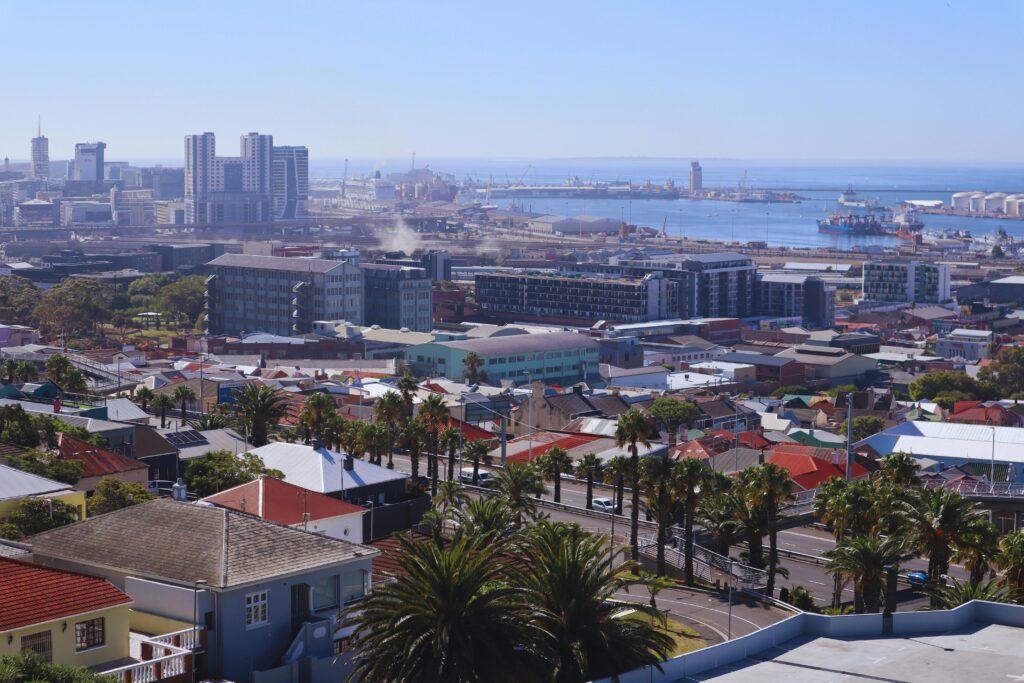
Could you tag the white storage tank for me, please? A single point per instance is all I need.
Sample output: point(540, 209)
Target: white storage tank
point(977, 203)
point(962, 201)
point(1013, 204)
point(994, 201)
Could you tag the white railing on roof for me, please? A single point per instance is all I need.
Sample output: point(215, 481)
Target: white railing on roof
point(164, 656)
point(981, 489)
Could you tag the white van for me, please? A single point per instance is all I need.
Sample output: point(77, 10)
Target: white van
point(466, 476)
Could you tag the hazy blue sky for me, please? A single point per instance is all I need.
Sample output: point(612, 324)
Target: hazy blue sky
point(822, 79)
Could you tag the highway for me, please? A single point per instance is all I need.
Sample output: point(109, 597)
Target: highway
point(806, 540)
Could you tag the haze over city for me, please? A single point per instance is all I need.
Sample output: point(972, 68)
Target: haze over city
point(923, 80)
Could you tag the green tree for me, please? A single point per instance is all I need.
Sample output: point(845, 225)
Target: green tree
point(864, 559)
point(477, 452)
point(771, 487)
point(8, 369)
point(209, 421)
point(75, 382)
point(591, 468)
point(25, 371)
point(552, 465)
point(183, 396)
point(219, 470)
point(716, 516)
point(450, 439)
point(1006, 370)
point(113, 494)
point(435, 416)
point(574, 578)
point(160, 404)
point(413, 434)
point(28, 667)
point(144, 395)
point(407, 387)
point(317, 411)
point(616, 471)
point(961, 592)
point(450, 616)
point(672, 414)
point(791, 390)
point(487, 515)
point(518, 483)
point(258, 408)
point(864, 426)
point(449, 496)
point(75, 308)
point(656, 476)
point(389, 410)
point(18, 427)
point(19, 299)
point(57, 367)
point(36, 515)
point(1010, 560)
point(472, 363)
point(690, 478)
point(842, 389)
point(634, 428)
point(899, 469)
point(938, 522)
point(183, 299)
point(47, 465)
point(935, 383)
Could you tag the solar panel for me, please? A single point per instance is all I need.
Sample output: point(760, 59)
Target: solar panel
point(186, 438)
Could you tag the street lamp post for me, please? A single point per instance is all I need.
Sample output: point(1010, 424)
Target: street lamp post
point(729, 627)
point(529, 416)
point(992, 467)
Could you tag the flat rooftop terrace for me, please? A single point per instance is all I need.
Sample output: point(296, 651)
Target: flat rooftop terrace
point(977, 652)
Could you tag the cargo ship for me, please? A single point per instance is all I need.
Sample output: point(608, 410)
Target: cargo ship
point(906, 225)
point(849, 199)
point(851, 224)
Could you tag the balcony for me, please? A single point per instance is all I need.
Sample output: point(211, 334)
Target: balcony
point(166, 657)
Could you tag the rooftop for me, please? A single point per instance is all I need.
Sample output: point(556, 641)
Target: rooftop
point(321, 470)
point(523, 343)
point(31, 594)
point(16, 484)
point(278, 501)
point(182, 542)
point(297, 265)
point(96, 461)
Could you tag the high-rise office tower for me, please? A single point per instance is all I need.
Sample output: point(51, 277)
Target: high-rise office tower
point(228, 189)
point(696, 177)
point(89, 161)
point(40, 155)
point(290, 182)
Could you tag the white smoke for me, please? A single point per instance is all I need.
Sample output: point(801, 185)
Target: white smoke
point(400, 237)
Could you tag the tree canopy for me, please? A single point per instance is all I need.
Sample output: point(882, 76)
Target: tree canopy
point(219, 470)
point(18, 300)
point(113, 494)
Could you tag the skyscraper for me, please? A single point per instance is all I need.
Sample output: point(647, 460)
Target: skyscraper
point(290, 182)
point(696, 177)
point(89, 161)
point(40, 155)
point(228, 189)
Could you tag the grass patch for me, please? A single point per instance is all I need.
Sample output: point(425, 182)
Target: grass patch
point(685, 638)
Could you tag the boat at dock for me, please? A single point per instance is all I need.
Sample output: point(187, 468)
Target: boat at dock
point(851, 224)
point(849, 199)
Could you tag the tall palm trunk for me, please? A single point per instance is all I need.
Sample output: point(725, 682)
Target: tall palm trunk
point(620, 490)
point(634, 513)
point(755, 545)
point(773, 548)
point(414, 458)
point(432, 463)
point(590, 489)
point(558, 485)
point(452, 447)
point(688, 515)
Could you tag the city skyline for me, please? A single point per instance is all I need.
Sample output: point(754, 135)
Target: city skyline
point(738, 80)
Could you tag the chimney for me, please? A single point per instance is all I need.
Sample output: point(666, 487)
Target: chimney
point(179, 491)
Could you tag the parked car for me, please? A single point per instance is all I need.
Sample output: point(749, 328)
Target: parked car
point(466, 476)
point(917, 578)
point(604, 505)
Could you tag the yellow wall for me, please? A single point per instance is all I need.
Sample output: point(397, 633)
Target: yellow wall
point(116, 636)
point(74, 498)
point(155, 625)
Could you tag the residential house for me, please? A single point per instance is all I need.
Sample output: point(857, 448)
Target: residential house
point(282, 503)
point(64, 617)
point(985, 413)
point(192, 443)
point(98, 462)
point(267, 596)
point(808, 471)
point(832, 365)
point(16, 486)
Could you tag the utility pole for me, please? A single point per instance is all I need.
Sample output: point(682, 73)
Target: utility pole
point(849, 436)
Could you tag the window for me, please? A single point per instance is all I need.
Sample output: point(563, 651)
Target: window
point(40, 643)
point(353, 588)
point(256, 609)
point(325, 593)
point(89, 634)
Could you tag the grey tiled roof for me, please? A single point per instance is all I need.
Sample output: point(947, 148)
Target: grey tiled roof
point(184, 542)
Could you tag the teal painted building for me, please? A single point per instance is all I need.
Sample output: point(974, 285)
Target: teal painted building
point(550, 357)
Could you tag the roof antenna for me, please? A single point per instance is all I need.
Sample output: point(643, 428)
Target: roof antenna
point(39, 125)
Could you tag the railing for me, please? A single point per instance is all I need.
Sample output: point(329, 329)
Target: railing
point(162, 657)
point(978, 488)
point(752, 576)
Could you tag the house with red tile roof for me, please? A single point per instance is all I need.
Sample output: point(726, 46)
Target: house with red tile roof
point(984, 413)
point(278, 501)
point(809, 472)
point(65, 617)
point(100, 462)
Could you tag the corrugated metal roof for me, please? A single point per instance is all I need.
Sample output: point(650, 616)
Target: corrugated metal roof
point(297, 265)
point(17, 484)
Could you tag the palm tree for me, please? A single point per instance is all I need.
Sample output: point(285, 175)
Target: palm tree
point(673, 414)
point(865, 559)
point(316, 412)
point(690, 477)
point(26, 371)
point(407, 386)
point(451, 615)
point(487, 515)
point(412, 436)
point(657, 476)
point(57, 366)
point(8, 369)
point(772, 487)
point(750, 518)
point(472, 363)
point(334, 432)
point(258, 408)
point(389, 410)
point(183, 395)
point(900, 469)
point(434, 414)
point(961, 592)
point(1010, 560)
point(450, 439)
point(574, 579)
point(477, 452)
point(616, 470)
point(830, 506)
point(633, 428)
point(144, 395)
point(590, 467)
point(210, 421)
point(553, 465)
point(715, 515)
point(161, 404)
point(938, 521)
point(380, 440)
point(449, 495)
point(518, 483)
point(978, 548)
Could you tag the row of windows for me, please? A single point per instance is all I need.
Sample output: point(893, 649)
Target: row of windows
point(328, 593)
